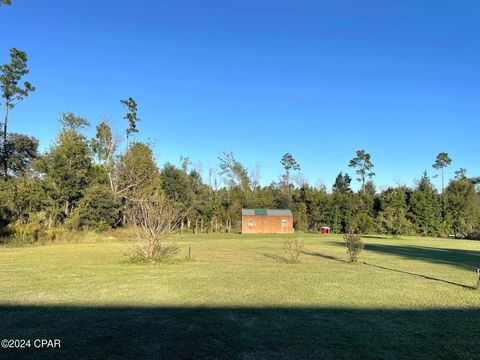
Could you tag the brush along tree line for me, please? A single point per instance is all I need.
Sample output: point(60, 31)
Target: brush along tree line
point(98, 183)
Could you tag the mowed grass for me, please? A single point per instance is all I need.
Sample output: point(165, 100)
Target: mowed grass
point(239, 298)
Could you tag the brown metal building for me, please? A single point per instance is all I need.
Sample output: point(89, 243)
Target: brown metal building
point(267, 221)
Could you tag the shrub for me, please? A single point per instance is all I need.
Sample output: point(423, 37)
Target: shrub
point(354, 244)
point(31, 231)
point(154, 218)
point(143, 254)
point(97, 210)
point(292, 248)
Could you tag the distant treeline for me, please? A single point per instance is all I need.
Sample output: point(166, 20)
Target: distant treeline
point(81, 183)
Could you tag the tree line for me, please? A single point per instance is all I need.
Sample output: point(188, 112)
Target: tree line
point(90, 183)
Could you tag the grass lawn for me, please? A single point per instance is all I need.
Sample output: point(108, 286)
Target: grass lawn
point(240, 299)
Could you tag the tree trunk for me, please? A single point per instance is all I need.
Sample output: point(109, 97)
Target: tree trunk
point(4, 150)
point(66, 208)
point(442, 181)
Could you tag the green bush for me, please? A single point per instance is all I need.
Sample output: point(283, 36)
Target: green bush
point(35, 229)
point(363, 223)
point(97, 211)
point(354, 244)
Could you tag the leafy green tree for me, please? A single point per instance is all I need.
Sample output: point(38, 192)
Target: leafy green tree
point(130, 116)
point(105, 147)
point(463, 204)
point(362, 162)
point(72, 122)
point(138, 175)
point(235, 174)
point(20, 151)
point(289, 164)
point(441, 162)
point(362, 223)
point(6, 205)
point(67, 167)
point(300, 217)
point(98, 210)
point(12, 93)
point(425, 208)
point(138, 171)
point(186, 162)
point(342, 209)
point(177, 185)
point(342, 184)
point(392, 217)
point(460, 174)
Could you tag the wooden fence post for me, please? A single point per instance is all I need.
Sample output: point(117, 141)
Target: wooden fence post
point(478, 278)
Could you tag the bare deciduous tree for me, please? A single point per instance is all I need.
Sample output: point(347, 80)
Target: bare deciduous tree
point(154, 219)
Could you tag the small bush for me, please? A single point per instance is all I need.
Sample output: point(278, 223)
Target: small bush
point(354, 244)
point(293, 248)
point(144, 254)
point(31, 231)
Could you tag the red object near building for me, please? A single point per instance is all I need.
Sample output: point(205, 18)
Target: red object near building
point(325, 230)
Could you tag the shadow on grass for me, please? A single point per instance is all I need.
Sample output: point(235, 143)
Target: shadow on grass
point(282, 259)
point(323, 256)
point(241, 333)
point(276, 258)
point(422, 276)
point(328, 257)
point(467, 259)
point(381, 237)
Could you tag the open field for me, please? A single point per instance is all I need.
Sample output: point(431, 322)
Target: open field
point(239, 298)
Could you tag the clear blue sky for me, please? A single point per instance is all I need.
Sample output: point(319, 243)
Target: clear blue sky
point(319, 79)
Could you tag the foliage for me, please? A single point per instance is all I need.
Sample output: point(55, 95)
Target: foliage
point(130, 116)
point(300, 217)
point(425, 208)
point(154, 218)
point(293, 247)
point(67, 170)
point(441, 162)
point(354, 244)
point(342, 184)
point(289, 164)
point(363, 223)
point(10, 76)
point(137, 171)
point(234, 172)
point(362, 162)
point(86, 184)
point(392, 217)
point(97, 210)
point(463, 204)
point(19, 152)
point(72, 122)
point(35, 229)
point(12, 94)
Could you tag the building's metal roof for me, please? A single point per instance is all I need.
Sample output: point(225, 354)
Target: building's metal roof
point(266, 212)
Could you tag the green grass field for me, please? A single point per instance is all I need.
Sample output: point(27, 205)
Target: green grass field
point(240, 299)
